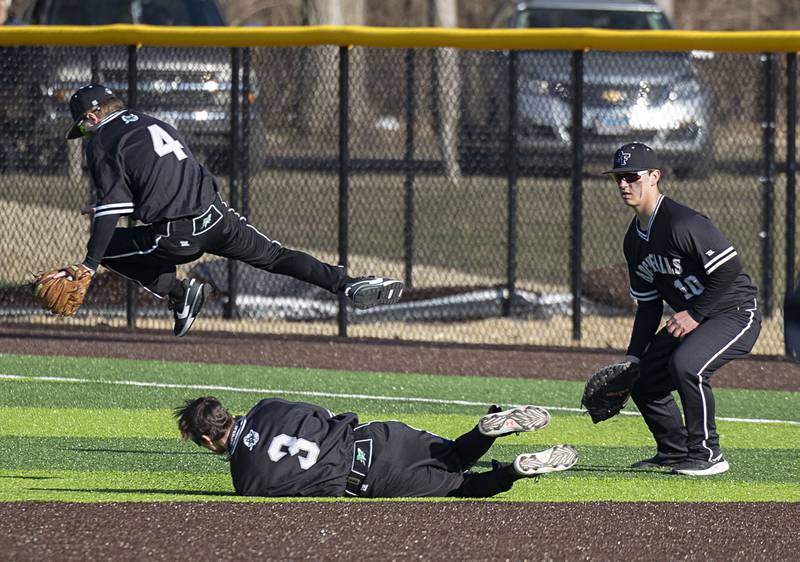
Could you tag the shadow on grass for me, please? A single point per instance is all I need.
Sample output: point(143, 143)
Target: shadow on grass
point(27, 477)
point(138, 491)
point(133, 451)
point(619, 470)
point(600, 468)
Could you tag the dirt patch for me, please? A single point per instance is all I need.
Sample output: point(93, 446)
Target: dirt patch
point(466, 530)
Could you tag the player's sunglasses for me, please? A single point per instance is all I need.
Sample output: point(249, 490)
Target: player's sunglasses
point(630, 177)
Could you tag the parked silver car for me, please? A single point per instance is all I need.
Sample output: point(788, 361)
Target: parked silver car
point(189, 88)
point(653, 97)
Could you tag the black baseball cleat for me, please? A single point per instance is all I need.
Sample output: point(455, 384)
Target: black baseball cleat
point(554, 459)
point(658, 461)
point(697, 467)
point(515, 420)
point(185, 310)
point(366, 292)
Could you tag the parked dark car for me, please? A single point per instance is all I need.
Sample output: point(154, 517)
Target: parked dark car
point(653, 97)
point(188, 88)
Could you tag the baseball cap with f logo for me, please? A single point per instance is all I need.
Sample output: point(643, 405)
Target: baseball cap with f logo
point(634, 157)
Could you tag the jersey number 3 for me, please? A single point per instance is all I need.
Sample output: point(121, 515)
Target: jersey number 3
point(164, 144)
point(283, 444)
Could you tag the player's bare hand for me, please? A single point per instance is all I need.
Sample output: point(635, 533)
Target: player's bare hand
point(681, 325)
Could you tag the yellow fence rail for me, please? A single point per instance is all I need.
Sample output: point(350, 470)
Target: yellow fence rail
point(405, 38)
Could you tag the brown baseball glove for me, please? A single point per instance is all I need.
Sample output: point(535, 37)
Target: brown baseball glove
point(61, 291)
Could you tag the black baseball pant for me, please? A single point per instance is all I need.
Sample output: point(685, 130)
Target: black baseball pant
point(687, 366)
point(148, 254)
point(409, 462)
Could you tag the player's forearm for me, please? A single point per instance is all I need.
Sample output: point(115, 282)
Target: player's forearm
point(102, 231)
point(715, 287)
point(648, 316)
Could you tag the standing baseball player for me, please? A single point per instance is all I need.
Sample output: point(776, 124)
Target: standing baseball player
point(285, 448)
point(677, 255)
point(143, 168)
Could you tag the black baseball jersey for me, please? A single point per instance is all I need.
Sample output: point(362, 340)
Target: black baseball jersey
point(283, 448)
point(675, 256)
point(142, 167)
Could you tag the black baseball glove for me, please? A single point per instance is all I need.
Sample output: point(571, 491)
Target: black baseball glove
point(607, 391)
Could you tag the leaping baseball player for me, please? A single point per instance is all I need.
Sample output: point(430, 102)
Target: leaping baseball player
point(143, 168)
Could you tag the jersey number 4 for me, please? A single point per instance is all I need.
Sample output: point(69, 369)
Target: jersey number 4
point(164, 144)
point(283, 444)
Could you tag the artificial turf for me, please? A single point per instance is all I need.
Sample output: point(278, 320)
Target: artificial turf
point(101, 430)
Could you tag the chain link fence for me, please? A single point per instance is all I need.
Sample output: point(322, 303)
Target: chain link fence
point(473, 175)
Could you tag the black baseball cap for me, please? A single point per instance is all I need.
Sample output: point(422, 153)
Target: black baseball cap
point(634, 157)
point(86, 98)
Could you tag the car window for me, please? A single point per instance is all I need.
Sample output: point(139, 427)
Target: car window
point(603, 19)
point(152, 12)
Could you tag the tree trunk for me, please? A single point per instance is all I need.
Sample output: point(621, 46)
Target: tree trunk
point(321, 71)
point(445, 14)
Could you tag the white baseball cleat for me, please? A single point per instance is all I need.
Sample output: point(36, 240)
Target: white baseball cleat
point(694, 467)
point(554, 459)
point(515, 420)
point(366, 292)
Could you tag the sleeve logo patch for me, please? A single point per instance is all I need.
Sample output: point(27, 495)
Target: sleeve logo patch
point(251, 439)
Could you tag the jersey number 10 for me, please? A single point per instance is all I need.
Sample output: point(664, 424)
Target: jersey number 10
point(164, 144)
point(690, 287)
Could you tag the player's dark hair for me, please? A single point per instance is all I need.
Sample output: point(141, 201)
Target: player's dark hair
point(203, 416)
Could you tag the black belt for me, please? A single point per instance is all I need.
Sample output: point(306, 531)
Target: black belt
point(362, 461)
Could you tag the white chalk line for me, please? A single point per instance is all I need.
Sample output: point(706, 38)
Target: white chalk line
point(273, 392)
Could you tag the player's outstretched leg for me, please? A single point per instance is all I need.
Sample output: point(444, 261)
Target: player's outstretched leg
point(503, 475)
point(186, 309)
point(515, 420)
point(366, 292)
point(554, 459)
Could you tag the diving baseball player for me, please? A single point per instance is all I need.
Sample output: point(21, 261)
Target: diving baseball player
point(282, 448)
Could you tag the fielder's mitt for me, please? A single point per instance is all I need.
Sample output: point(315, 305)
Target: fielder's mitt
point(607, 391)
point(61, 291)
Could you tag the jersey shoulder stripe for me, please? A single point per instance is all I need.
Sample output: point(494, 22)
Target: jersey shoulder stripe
point(725, 255)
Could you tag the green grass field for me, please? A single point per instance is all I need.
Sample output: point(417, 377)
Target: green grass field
point(100, 430)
